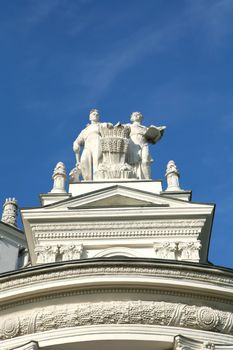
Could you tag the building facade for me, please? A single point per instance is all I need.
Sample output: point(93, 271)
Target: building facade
point(116, 261)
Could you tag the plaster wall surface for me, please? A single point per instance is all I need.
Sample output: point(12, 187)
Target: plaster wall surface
point(12, 241)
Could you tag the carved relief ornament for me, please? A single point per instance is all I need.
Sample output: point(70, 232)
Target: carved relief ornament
point(117, 312)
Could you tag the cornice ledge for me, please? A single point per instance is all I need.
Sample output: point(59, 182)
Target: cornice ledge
point(103, 267)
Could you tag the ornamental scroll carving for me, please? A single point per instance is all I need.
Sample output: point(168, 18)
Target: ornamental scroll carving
point(71, 251)
point(189, 250)
point(49, 253)
point(165, 250)
point(46, 254)
point(120, 312)
point(178, 250)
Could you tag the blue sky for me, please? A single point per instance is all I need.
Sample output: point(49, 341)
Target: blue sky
point(171, 60)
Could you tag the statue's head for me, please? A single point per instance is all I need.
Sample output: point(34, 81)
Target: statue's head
point(136, 117)
point(94, 115)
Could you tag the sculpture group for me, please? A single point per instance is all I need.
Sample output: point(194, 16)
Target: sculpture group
point(118, 151)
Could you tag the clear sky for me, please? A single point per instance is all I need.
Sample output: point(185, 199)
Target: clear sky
point(171, 60)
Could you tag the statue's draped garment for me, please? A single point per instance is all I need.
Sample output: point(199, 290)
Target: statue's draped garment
point(89, 138)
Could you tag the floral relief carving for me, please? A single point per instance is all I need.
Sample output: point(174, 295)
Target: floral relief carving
point(118, 312)
point(10, 327)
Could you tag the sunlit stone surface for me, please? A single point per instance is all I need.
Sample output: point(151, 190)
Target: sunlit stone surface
point(111, 260)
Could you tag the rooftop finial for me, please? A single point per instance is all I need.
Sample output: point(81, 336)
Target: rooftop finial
point(59, 178)
point(10, 211)
point(172, 175)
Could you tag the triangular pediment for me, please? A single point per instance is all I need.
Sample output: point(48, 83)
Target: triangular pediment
point(118, 200)
point(118, 196)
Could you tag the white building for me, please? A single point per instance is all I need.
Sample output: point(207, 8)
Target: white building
point(117, 262)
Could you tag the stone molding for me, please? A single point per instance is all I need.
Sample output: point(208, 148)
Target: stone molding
point(186, 343)
point(157, 293)
point(116, 312)
point(132, 228)
point(177, 272)
point(29, 346)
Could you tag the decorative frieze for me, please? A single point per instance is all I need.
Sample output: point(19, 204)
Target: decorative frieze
point(116, 312)
point(115, 229)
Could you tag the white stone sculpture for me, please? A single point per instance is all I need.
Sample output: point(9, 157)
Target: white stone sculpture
point(114, 143)
point(10, 211)
point(59, 178)
point(138, 152)
point(114, 152)
point(89, 139)
point(172, 175)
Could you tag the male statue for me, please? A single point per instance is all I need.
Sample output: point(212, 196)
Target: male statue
point(138, 151)
point(89, 139)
